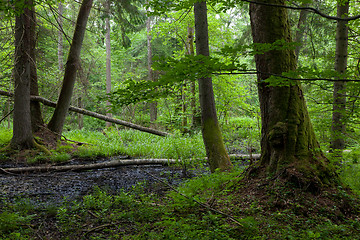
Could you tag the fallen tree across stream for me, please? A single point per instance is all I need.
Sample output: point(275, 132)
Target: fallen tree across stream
point(94, 114)
point(107, 164)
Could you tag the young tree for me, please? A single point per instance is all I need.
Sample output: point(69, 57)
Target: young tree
point(151, 77)
point(339, 98)
point(215, 148)
point(35, 109)
point(24, 43)
point(60, 38)
point(288, 143)
point(108, 57)
point(72, 65)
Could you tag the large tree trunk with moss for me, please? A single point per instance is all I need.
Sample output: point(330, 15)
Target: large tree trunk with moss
point(22, 132)
point(288, 142)
point(215, 149)
point(35, 109)
point(339, 105)
point(72, 65)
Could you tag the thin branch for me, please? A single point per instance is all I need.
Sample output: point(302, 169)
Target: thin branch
point(310, 9)
point(242, 72)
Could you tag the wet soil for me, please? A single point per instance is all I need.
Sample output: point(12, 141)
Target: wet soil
point(53, 188)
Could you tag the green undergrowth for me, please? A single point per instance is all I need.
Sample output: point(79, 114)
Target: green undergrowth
point(112, 142)
point(216, 206)
point(137, 144)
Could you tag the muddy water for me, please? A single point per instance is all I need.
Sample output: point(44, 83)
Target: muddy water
point(53, 188)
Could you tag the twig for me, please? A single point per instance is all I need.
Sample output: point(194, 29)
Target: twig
point(7, 172)
point(6, 115)
point(200, 203)
point(98, 228)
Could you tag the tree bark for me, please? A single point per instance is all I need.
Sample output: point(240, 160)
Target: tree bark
point(56, 123)
point(215, 148)
point(288, 142)
point(339, 99)
point(108, 59)
point(22, 132)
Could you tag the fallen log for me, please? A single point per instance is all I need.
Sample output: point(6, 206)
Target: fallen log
point(84, 167)
point(245, 156)
point(107, 164)
point(94, 114)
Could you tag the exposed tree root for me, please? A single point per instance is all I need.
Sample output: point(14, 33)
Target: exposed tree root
point(41, 148)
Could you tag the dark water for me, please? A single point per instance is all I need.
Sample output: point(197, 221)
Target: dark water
point(52, 188)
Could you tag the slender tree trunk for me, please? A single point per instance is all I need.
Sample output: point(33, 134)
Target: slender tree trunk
point(56, 123)
point(195, 121)
point(339, 98)
point(151, 75)
point(108, 59)
point(22, 132)
point(35, 108)
point(301, 30)
point(60, 39)
point(288, 143)
point(80, 116)
point(215, 149)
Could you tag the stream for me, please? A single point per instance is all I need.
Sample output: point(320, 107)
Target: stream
point(53, 188)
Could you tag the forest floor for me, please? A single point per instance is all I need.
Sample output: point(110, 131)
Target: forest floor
point(167, 202)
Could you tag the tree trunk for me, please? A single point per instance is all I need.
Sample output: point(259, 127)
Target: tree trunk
point(153, 105)
point(301, 30)
point(60, 39)
point(22, 132)
point(72, 65)
point(108, 59)
point(195, 120)
point(339, 98)
point(215, 149)
point(288, 142)
point(35, 109)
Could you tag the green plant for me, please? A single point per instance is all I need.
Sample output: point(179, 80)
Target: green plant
point(5, 136)
point(10, 221)
point(60, 157)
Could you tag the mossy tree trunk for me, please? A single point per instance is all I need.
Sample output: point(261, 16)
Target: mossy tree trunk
point(215, 149)
point(288, 141)
point(57, 121)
